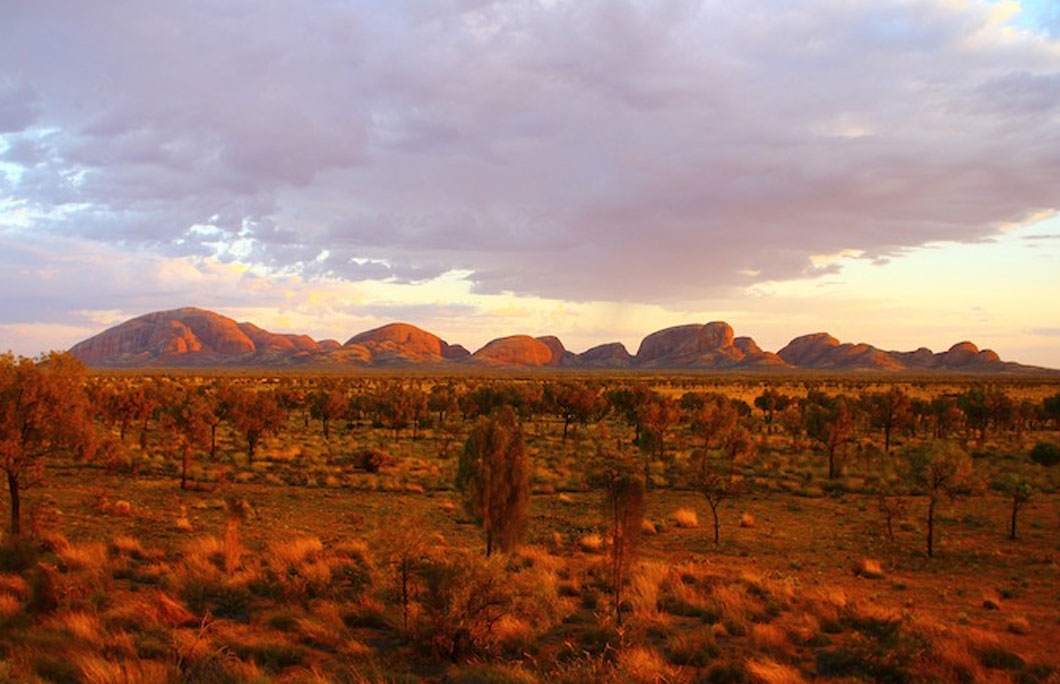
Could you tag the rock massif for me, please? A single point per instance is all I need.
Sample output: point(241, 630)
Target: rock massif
point(398, 343)
point(196, 337)
point(822, 351)
point(702, 346)
point(191, 336)
point(523, 350)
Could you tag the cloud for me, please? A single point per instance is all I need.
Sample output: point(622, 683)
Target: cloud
point(591, 150)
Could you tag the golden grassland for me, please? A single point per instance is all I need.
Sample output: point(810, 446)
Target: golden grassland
point(289, 569)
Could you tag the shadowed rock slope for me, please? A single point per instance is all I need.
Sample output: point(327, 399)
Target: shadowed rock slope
point(191, 336)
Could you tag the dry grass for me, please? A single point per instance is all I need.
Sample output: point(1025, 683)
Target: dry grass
point(685, 518)
point(127, 546)
point(295, 551)
point(643, 591)
point(770, 638)
point(90, 557)
point(591, 543)
point(94, 669)
point(1019, 625)
point(643, 665)
point(869, 568)
point(80, 625)
point(766, 671)
point(9, 606)
point(14, 585)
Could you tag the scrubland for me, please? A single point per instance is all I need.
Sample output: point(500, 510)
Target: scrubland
point(352, 558)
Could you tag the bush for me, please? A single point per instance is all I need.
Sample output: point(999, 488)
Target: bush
point(370, 460)
point(1046, 454)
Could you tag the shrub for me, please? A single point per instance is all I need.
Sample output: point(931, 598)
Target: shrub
point(869, 568)
point(1046, 454)
point(685, 518)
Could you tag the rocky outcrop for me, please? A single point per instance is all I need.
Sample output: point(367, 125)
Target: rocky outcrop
point(712, 345)
point(517, 350)
point(278, 342)
point(822, 351)
point(166, 335)
point(192, 336)
point(611, 355)
point(399, 343)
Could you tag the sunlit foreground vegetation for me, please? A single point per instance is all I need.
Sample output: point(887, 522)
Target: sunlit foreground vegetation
point(602, 528)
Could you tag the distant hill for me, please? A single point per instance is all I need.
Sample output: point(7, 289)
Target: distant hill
point(196, 337)
point(192, 336)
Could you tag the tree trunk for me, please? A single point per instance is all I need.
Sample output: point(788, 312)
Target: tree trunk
point(717, 524)
point(185, 459)
point(16, 504)
point(887, 439)
point(405, 591)
point(831, 463)
point(1015, 512)
point(931, 528)
point(213, 442)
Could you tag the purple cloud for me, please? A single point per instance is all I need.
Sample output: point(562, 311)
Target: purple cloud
point(606, 149)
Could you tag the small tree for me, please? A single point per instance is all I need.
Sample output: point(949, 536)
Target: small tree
point(1046, 454)
point(939, 468)
point(255, 415)
point(623, 504)
point(716, 488)
point(656, 417)
point(891, 507)
point(494, 475)
point(829, 423)
point(739, 446)
point(325, 405)
point(187, 416)
point(43, 413)
point(713, 417)
point(771, 402)
point(1019, 491)
point(405, 544)
point(887, 411)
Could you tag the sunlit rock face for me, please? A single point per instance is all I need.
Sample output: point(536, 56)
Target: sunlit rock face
point(402, 343)
point(712, 345)
point(192, 336)
point(516, 350)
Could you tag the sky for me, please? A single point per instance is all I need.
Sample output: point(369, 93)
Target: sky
point(887, 170)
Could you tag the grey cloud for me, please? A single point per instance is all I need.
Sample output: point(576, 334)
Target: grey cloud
point(601, 149)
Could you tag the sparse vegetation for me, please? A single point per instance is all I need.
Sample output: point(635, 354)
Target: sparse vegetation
point(344, 557)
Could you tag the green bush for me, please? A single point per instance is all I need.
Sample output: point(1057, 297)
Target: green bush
point(1046, 454)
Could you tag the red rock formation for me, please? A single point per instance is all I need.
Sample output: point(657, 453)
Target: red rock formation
point(823, 351)
point(404, 343)
point(612, 355)
point(266, 341)
point(166, 335)
point(516, 350)
point(701, 346)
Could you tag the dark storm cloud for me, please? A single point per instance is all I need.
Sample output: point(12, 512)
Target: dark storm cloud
point(602, 149)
